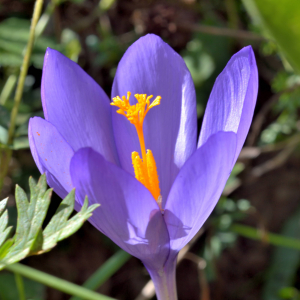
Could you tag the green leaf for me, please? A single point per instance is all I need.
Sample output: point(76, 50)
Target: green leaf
point(20, 142)
point(3, 135)
point(280, 21)
point(271, 238)
point(31, 216)
point(14, 34)
point(285, 262)
point(3, 204)
point(29, 238)
point(9, 291)
point(4, 230)
point(5, 249)
point(109, 268)
point(4, 116)
point(60, 227)
point(10, 59)
point(55, 282)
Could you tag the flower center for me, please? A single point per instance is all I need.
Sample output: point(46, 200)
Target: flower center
point(145, 167)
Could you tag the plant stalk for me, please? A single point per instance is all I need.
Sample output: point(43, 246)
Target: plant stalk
point(20, 286)
point(5, 154)
point(23, 72)
point(56, 283)
point(165, 281)
point(112, 265)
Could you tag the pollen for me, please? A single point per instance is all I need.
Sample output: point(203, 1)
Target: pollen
point(144, 168)
point(135, 113)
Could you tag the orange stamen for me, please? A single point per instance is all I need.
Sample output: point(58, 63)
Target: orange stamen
point(145, 169)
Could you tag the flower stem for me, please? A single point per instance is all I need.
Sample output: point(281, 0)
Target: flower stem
point(112, 265)
point(24, 68)
point(56, 283)
point(20, 286)
point(165, 281)
point(8, 88)
point(5, 154)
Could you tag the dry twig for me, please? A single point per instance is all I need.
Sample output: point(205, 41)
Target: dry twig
point(221, 31)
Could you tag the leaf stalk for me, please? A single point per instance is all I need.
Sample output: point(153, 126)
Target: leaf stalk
point(56, 283)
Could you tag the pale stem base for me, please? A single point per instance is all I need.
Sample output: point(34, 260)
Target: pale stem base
point(165, 281)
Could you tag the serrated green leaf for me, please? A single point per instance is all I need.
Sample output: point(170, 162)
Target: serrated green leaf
point(3, 204)
point(61, 215)
point(4, 235)
point(3, 222)
point(4, 230)
point(77, 221)
point(60, 227)
point(38, 243)
point(31, 216)
point(22, 207)
point(4, 249)
point(30, 239)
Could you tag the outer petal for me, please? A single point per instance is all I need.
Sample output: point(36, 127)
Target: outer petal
point(52, 154)
point(128, 214)
point(152, 67)
point(76, 105)
point(231, 103)
point(198, 188)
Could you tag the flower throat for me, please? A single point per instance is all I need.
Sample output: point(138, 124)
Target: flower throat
point(145, 167)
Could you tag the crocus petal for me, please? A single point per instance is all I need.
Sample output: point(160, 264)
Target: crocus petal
point(127, 214)
point(152, 67)
point(198, 187)
point(52, 154)
point(231, 103)
point(76, 105)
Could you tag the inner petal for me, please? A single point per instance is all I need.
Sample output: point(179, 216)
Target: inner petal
point(144, 168)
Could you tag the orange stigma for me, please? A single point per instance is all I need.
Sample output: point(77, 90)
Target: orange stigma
point(144, 169)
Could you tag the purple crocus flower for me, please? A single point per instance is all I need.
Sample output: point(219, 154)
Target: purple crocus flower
point(154, 207)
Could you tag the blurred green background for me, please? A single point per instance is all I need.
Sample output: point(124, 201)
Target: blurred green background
point(250, 247)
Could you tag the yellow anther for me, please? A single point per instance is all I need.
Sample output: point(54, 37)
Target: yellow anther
point(139, 169)
point(145, 168)
point(152, 174)
point(135, 113)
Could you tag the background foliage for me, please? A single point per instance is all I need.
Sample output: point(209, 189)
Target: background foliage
point(250, 246)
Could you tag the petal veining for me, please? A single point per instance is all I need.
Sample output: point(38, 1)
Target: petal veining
point(127, 214)
point(52, 154)
point(77, 106)
point(152, 67)
point(231, 103)
point(198, 187)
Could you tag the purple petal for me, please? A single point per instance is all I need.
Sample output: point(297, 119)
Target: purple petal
point(232, 100)
point(77, 106)
point(152, 67)
point(198, 188)
point(128, 213)
point(52, 154)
